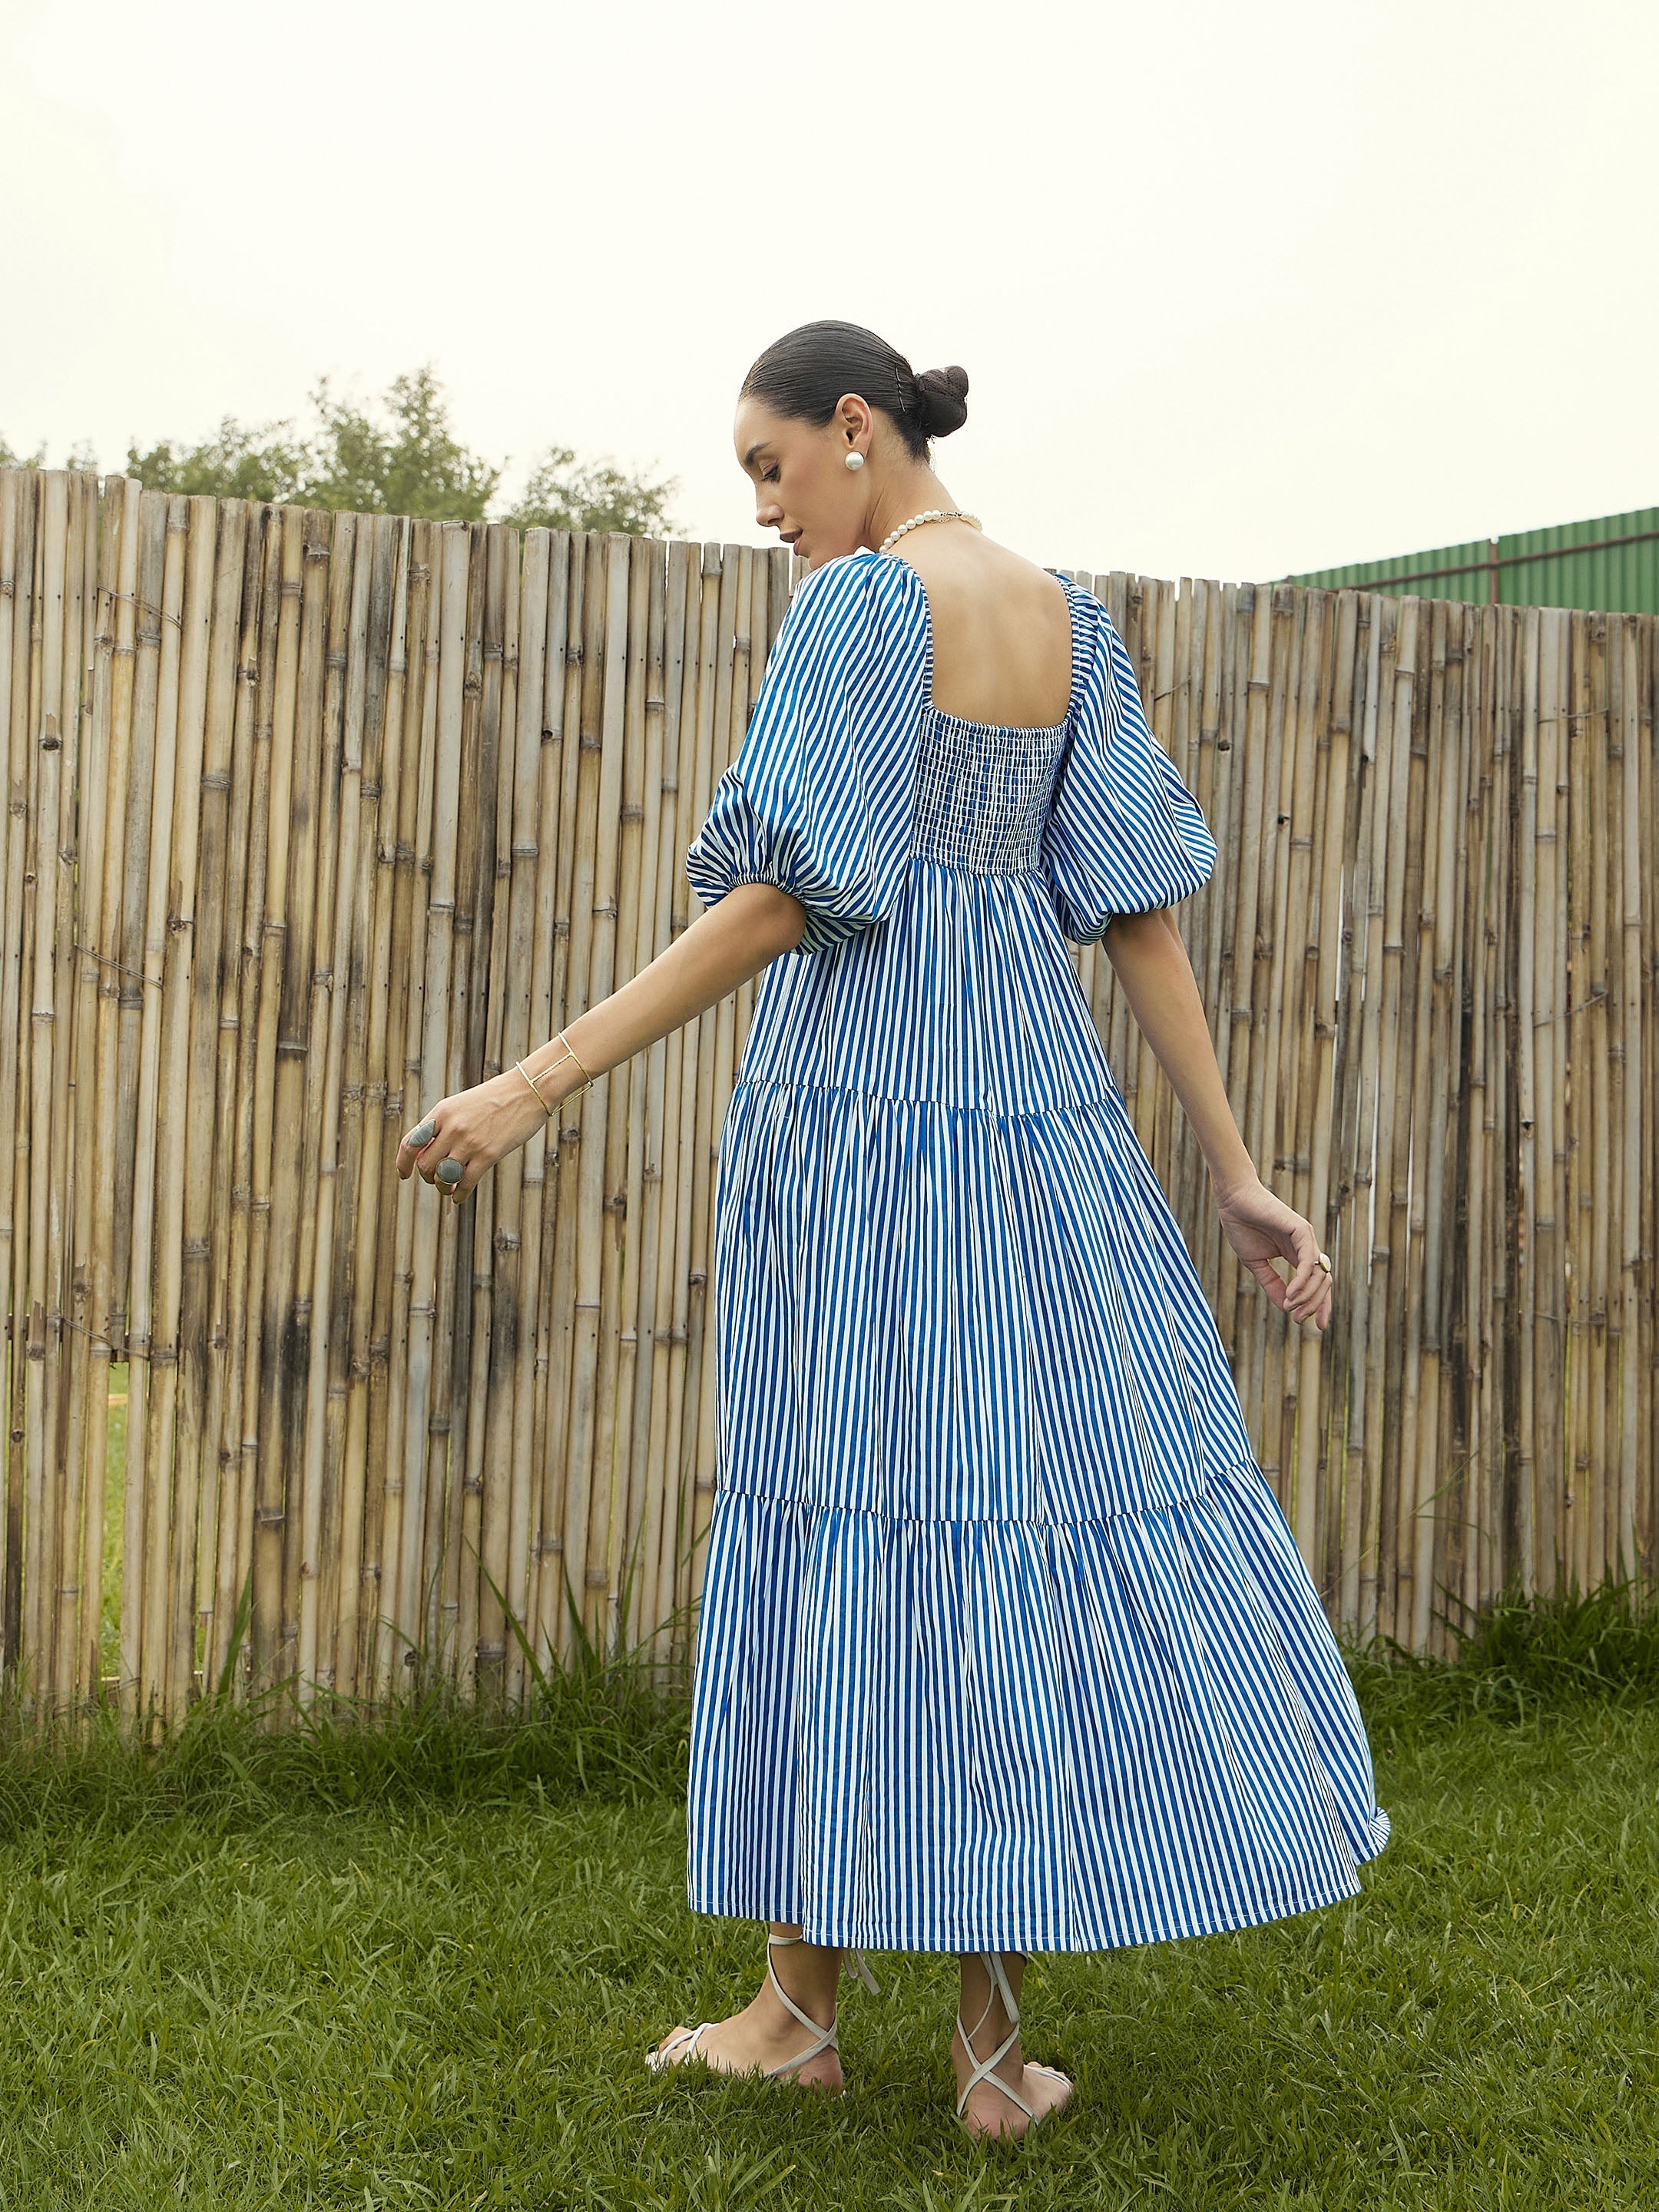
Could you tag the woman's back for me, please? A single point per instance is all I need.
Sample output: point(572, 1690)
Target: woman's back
point(1001, 630)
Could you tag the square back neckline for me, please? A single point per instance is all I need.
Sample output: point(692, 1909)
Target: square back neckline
point(968, 722)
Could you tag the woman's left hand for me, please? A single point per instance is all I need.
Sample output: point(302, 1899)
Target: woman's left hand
point(472, 1130)
point(1261, 1229)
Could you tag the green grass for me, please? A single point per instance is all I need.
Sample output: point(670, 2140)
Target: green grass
point(420, 1965)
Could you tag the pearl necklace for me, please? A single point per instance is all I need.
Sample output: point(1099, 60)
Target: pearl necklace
point(933, 514)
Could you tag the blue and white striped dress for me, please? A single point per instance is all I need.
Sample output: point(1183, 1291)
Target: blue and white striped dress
point(1005, 1641)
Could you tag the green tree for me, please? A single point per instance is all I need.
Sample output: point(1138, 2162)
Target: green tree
point(410, 464)
point(398, 456)
point(559, 496)
point(244, 461)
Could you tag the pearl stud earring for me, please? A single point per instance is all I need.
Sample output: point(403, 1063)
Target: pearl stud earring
point(855, 460)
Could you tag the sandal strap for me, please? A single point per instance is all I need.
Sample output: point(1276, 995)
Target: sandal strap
point(983, 2068)
point(983, 2071)
point(1000, 1987)
point(863, 1973)
point(826, 2036)
point(685, 2041)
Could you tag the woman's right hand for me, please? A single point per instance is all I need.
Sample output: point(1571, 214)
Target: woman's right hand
point(1261, 1229)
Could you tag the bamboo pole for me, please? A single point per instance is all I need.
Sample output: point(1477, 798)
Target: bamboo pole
point(1323, 766)
point(1549, 1373)
point(1337, 917)
point(581, 1167)
point(429, 1581)
point(277, 1105)
point(561, 833)
point(55, 1040)
point(627, 1136)
point(1439, 1004)
point(1399, 672)
point(1302, 1452)
point(240, 1554)
point(649, 1132)
point(1590, 1085)
point(1645, 1505)
point(148, 1474)
point(17, 518)
point(1218, 1269)
point(687, 1055)
point(226, 1536)
point(1419, 1412)
point(1359, 1050)
point(1534, 1572)
point(1644, 1512)
point(202, 1323)
point(373, 1079)
point(357, 1121)
point(1580, 1502)
point(40, 1510)
point(1474, 1344)
point(560, 710)
point(518, 1202)
point(606, 1123)
point(1507, 1255)
point(295, 1176)
point(78, 586)
point(455, 1486)
point(1484, 1080)
point(351, 577)
point(91, 556)
point(1273, 1107)
point(485, 1444)
point(1252, 666)
point(733, 700)
point(458, 1531)
point(178, 1406)
point(507, 1502)
point(1633, 1381)
point(102, 844)
point(703, 1104)
point(409, 1378)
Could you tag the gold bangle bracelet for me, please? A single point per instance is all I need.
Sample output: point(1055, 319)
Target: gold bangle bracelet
point(531, 1080)
point(563, 1039)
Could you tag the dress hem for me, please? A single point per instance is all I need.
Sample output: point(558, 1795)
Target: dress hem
point(1017, 1937)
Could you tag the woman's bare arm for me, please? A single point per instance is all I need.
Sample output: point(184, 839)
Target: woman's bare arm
point(1150, 961)
point(734, 940)
point(739, 935)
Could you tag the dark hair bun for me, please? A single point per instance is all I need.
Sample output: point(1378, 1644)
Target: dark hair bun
point(941, 401)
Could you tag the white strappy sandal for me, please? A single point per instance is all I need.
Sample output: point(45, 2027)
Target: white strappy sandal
point(981, 2067)
point(683, 2045)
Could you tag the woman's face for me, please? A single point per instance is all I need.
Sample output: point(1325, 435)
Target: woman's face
point(804, 488)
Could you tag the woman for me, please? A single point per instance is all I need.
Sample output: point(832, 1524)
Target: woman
point(1005, 1643)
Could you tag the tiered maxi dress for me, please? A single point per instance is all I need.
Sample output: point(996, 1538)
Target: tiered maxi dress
point(1004, 1640)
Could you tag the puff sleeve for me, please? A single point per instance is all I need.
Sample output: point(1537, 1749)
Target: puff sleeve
point(1123, 833)
point(818, 799)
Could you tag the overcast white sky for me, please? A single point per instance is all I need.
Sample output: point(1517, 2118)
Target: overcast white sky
point(1239, 290)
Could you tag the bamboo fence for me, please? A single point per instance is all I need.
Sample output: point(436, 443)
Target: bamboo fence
point(314, 818)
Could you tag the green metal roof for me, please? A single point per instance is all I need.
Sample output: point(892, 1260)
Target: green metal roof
point(1611, 563)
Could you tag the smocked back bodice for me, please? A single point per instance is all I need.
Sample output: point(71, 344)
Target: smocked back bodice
point(983, 792)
